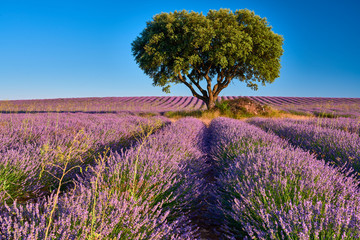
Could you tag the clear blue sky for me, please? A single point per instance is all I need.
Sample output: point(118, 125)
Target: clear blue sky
point(75, 48)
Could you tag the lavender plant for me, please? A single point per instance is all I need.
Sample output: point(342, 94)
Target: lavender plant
point(341, 123)
point(141, 193)
point(31, 144)
point(267, 189)
point(333, 145)
point(323, 107)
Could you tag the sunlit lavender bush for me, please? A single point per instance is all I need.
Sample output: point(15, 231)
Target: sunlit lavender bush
point(270, 190)
point(141, 193)
point(35, 147)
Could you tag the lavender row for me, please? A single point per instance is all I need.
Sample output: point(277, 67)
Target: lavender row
point(102, 105)
point(305, 100)
point(333, 145)
point(142, 193)
point(34, 148)
point(267, 189)
point(325, 107)
point(345, 124)
point(320, 106)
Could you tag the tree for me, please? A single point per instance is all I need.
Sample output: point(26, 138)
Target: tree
point(191, 48)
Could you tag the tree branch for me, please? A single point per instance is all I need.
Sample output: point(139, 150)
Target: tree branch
point(220, 78)
point(208, 79)
point(196, 83)
point(222, 85)
point(195, 94)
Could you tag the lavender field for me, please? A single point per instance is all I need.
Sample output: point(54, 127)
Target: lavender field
point(323, 107)
point(327, 107)
point(96, 169)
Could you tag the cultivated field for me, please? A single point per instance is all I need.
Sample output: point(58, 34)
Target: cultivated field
point(98, 168)
point(325, 107)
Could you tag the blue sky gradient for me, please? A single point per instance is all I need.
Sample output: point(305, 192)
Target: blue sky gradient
point(56, 49)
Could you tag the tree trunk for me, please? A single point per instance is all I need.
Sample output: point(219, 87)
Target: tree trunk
point(210, 103)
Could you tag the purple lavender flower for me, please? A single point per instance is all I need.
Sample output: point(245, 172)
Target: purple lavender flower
point(141, 193)
point(267, 189)
point(333, 145)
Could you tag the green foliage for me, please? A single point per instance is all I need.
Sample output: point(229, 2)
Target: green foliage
point(237, 108)
point(188, 47)
point(223, 106)
point(299, 113)
point(180, 114)
point(325, 115)
point(11, 183)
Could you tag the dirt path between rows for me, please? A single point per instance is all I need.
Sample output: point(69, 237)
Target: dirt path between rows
point(206, 217)
point(206, 121)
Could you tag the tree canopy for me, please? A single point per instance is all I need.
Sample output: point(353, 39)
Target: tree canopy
point(193, 49)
